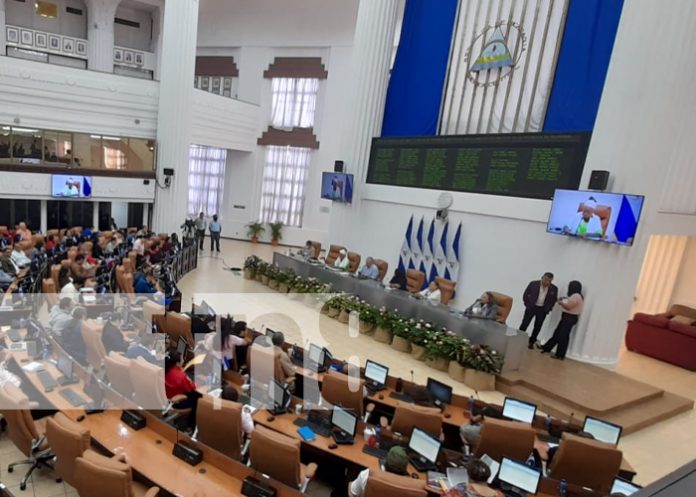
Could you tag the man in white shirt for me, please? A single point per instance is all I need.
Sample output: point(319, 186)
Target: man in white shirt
point(229, 393)
point(370, 269)
point(432, 293)
point(396, 462)
point(342, 261)
point(586, 223)
point(139, 245)
point(20, 258)
point(60, 316)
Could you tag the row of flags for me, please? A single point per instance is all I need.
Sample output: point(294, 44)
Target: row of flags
point(432, 250)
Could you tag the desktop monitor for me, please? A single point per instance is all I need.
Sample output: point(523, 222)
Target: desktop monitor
point(376, 373)
point(602, 430)
point(337, 187)
point(94, 390)
point(270, 333)
point(344, 420)
point(426, 446)
point(316, 354)
point(278, 394)
point(519, 410)
point(621, 486)
point(441, 392)
point(181, 346)
point(519, 475)
point(65, 365)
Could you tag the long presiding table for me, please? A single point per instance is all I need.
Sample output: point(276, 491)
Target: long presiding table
point(508, 341)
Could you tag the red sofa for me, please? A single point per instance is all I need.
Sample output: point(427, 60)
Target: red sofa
point(663, 338)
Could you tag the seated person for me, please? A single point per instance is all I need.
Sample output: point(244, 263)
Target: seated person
point(396, 462)
point(398, 281)
point(139, 245)
point(112, 336)
point(342, 261)
point(80, 269)
point(585, 223)
point(154, 253)
point(19, 257)
point(67, 286)
point(60, 316)
point(23, 232)
point(7, 265)
point(552, 450)
point(50, 242)
point(38, 250)
point(479, 473)
point(177, 383)
point(221, 344)
point(369, 270)
point(471, 433)
point(111, 246)
point(309, 251)
point(146, 284)
point(143, 348)
point(72, 340)
point(484, 307)
point(432, 293)
point(285, 362)
point(230, 393)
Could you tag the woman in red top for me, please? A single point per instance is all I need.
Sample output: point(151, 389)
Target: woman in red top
point(50, 242)
point(177, 382)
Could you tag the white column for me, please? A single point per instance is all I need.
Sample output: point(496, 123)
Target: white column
point(2, 28)
point(175, 112)
point(44, 216)
point(95, 215)
point(146, 214)
point(100, 34)
point(372, 50)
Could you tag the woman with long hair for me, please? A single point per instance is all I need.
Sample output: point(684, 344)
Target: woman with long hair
point(572, 308)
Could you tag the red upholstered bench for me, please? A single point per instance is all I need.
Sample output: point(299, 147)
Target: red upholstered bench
point(663, 338)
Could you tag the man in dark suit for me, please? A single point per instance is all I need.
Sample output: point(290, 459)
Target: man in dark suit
point(539, 299)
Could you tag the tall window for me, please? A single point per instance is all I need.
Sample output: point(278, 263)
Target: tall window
point(284, 179)
point(294, 102)
point(206, 179)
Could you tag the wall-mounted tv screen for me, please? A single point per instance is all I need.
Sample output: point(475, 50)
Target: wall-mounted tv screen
point(605, 217)
point(71, 186)
point(337, 187)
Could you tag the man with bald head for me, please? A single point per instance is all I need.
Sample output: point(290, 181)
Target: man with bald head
point(586, 223)
point(370, 270)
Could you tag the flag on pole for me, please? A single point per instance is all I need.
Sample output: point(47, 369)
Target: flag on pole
point(428, 258)
point(417, 247)
point(440, 255)
point(453, 264)
point(405, 255)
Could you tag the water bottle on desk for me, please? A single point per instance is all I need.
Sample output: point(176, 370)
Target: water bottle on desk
point(563, 488)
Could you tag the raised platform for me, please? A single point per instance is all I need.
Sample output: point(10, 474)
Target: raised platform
point(565, 388)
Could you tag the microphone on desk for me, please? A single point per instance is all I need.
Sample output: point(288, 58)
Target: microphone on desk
point(412, 380)
point(570, 419)
point(477, 395)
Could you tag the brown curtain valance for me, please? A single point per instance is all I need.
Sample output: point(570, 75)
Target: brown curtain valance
point(296, 137)
point(296, 67)
point(216, 66)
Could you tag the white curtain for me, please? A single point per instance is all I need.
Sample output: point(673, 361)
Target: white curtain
point(206, 179)
point(284, 178)
point(294, 102)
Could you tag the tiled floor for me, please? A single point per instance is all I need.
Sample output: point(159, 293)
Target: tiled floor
point(654, 451)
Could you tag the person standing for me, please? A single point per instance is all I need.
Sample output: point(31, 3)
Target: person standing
point(215, 229)
point(200, 229)
point(572, 308)
point(539, 299)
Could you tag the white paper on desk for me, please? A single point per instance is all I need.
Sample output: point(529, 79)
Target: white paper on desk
point(551, 446)
point(493, 465)
point(33, 367)
point(455, 476)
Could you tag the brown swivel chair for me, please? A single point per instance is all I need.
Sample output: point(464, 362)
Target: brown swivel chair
point(354, 262)
point(333, 254)
point(603, 212)
point(148, 384)
point(587, 463)
point(501, 438)
point(118, 372)
point(92, 336)
point(446, 289)
point(317, 247)
point(55, 272)
point(133, 257)
point(408, 416)
point(150, 309)
point(107, 477)
point(383, 267)
point(278, 456)
point(264, 365)
point(414, 280)
point(25, 433)
point(68, 440)
point(504, 303)
point(127, 265)
point(383, 484)
point(48, 288)
point(219, 424)
point(340, 389)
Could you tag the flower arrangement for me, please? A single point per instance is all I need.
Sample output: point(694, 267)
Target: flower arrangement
point(251, 263)
point(445, 344)
point(272, 271)
point(421, 333)
point(285, 276)
point(482, 358)
point(368, 313)
point(262, 267)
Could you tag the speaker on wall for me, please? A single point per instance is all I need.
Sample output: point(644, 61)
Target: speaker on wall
point(338, 166)
point(598, 180)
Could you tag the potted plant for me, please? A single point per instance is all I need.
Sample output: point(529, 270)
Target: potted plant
point(384, 320)
point(483, 363)
point(251, 263)
point(261, 270)
point(272, 273)
point(276, 232)
point(284, 278)
point(350, 303)
point(443, 347)
point(254, 230)
point(401, 329)
point(420, 334)
point(334, 306)
point(368, 316)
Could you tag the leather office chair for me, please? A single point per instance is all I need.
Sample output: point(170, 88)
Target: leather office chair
point(354, 262)
point(414, 280)
point(132, 230)
point(408, 416)
point(118, 372)
point(48, 288)
point(317, 247)
point(278, 456)
point(92, 336)
point(68, 440)
point(127, 265)
point(133, 257)
point(219, 426)
point(500, 438)
point(25, 433)
point(504, 303)
point(383, 484)
point(603, 212)
point(383, 267)
point(55, 272)
point(587, 463)
point(148, 384)
point(151, 309)
point(446, 289)
point(333, 254)
point(107, 477)
point(26, 246)
point(37, 238)
point(264, 364)
point(120, 272)
point(342, 390)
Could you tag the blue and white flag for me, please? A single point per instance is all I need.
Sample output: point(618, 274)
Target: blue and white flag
point(405, 255)
point(440, 253)
point(417, 246)
point(428, 254)
point(452, 271)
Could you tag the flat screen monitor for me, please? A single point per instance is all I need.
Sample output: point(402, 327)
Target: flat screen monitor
point(376, 373)
point(519, 475)
point(426, 446)
point(604, 217)
point(345, 421)
point(316, 354)
point(277, 393)
point(181, 346)
point(337, 187)
point(65, 365)
point(441, 392)
point(602, 430)
point(519, 410)
point(94, 390)
point(71, 186)
point(270, 333)
point(621, 486)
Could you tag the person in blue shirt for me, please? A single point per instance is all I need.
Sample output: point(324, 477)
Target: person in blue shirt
point(145, 284)
point(369, 270)
point(215, 229)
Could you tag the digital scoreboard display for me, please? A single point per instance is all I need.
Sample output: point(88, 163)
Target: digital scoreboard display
point(531, 165)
